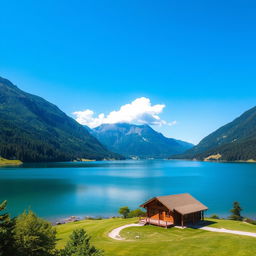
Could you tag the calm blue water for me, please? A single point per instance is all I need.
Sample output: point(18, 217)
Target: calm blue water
point(59, 190)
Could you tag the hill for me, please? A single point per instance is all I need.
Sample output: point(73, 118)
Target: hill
point(235, 141)
point(138, 141)
point(153, 240)
point(33, 129)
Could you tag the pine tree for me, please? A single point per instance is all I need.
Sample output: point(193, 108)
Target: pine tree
point(79, 245)
point(6, 227)
point(236, 212)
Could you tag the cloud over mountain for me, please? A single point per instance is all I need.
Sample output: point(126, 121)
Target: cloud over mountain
point(139, 111)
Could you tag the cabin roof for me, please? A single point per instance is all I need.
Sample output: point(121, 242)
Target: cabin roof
point(182, 203)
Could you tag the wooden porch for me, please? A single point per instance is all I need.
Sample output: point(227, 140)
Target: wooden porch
point(161, 223)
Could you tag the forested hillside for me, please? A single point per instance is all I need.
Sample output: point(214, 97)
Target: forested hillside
point(32, 129)
point(233, 142)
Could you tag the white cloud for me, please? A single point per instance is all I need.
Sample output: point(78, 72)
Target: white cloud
point(172, 123)
point(139, 111)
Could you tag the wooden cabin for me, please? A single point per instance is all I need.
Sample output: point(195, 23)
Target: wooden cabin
point(174, 210)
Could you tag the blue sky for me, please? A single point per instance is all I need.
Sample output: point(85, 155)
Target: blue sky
point(198, 58)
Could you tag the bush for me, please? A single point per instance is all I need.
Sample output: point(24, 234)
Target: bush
point(79, 245)
point(136, 213)
point(251, 221)
point(124, 211)
point(214, 216)
point(34, 236)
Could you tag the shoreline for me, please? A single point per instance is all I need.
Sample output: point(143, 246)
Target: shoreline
point(19, 163)
point(75, 218)
point(70, 219)
point(252, 161)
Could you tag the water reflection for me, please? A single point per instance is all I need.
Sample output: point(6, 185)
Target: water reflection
point(100, 188)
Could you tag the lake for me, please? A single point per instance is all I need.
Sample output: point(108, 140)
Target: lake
point(57, 190)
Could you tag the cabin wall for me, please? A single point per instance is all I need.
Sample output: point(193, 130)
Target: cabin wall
point(177, 219)
point(168, 216)
point(191, 218)
point(157, 211)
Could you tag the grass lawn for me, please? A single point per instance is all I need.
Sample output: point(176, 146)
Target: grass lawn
point(156, 241)
point(234, 225)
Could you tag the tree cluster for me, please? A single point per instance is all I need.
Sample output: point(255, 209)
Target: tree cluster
point(32, 236)
point(127, 213)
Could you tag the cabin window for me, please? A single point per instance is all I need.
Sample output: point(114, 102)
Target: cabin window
point(167, 214)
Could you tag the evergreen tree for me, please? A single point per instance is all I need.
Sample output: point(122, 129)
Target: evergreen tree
point(6, 227)
point(236, 212)
point(34, 236)
point(79, 245)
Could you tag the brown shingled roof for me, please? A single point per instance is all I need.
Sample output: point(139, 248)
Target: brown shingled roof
point(182, 203)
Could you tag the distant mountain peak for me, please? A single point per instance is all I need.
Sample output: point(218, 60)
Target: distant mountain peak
point(134, 140)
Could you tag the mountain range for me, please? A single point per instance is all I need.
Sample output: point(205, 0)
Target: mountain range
point(33, 129)
point(235, 141)
point(138, 141)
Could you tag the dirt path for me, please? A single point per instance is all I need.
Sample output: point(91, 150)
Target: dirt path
point(223, 230)
point(115, 233)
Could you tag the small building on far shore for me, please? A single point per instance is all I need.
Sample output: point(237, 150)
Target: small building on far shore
point(177, 210)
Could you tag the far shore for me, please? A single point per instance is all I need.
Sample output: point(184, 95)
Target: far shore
point(215, 161)
point(84, 160)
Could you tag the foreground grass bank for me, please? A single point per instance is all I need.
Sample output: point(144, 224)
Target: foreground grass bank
point(150, 240)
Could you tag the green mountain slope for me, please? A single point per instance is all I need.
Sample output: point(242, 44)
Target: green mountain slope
point(32, 129)
point(138, 141)
point(234, 141)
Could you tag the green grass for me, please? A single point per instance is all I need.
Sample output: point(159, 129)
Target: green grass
point(4, 161)
point(97, 229)
point(151, 240)
point(234, 225)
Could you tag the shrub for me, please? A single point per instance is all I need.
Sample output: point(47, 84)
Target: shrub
point(251, 221)
point(214, 216)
